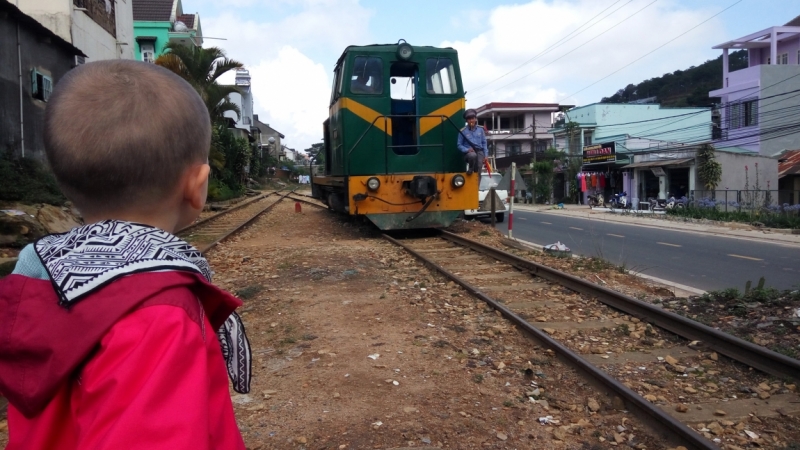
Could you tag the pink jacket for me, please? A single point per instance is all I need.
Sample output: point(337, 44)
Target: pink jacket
point(136, 365)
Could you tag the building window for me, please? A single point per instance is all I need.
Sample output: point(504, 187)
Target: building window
point(148, 52)
point(743, 114)
point(41, 85)
point(513, 148)
point(783, 58)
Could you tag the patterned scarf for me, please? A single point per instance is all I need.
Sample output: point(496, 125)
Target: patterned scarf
point(89, 257)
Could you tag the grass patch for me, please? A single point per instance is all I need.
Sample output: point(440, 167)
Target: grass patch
point(249, 292)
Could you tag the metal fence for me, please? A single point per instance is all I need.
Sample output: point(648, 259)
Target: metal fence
point(744, 200)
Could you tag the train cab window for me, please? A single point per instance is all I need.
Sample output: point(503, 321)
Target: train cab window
point(441, 76)
point(367, 77)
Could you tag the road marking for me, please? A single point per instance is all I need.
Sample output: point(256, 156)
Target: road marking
point(521, 218)
point(547, 223)
point(616, 235)
point(745, 257)
point(671, 245)
point(576, 228)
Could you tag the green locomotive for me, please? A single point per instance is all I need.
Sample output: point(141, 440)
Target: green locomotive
point(390, 139)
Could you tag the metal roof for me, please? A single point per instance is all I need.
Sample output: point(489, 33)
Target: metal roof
point(659, 163)
point(789, 163)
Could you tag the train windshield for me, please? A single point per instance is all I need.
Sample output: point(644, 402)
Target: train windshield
point(367, 77)
point(441, 76)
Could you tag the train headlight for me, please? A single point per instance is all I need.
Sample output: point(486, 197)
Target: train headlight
point(373, 184)
point(404, 51)
point(458, 181)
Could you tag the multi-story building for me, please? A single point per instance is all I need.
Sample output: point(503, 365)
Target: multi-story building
point(515, 130)
point(605, 137)
point(243, 123)
point(269, 139)
point(158, 22)
point(758, 103)
point(101, 29)
point(32, 60)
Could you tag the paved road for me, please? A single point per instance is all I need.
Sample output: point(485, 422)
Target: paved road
point(697, 260)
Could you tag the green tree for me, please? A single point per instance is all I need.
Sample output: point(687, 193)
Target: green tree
point(709, 170)
point(202, 67)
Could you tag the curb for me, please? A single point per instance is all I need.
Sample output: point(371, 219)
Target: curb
point(680, 290)
point(668, 225)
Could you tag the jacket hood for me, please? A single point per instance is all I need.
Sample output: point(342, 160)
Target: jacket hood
point(42, 343)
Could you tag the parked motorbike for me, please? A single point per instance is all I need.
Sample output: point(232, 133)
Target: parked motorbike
point(619, 201)
point(657, 203)
point(595, 200)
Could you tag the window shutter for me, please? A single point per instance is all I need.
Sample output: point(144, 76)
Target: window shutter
point(34, 84)
point(754, 109)
point(47, 89)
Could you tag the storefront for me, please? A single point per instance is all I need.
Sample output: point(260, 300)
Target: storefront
point(601, 171)
point(662, 178)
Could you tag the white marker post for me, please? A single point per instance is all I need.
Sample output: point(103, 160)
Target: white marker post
point(511, 198)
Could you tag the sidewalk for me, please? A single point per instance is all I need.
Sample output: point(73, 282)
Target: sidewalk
point(649, 219)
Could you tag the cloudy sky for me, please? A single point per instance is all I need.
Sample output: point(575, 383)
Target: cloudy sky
point(566, 51)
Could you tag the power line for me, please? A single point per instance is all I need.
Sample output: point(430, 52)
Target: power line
point(559, 43)
point(574, 49)
point(655, 49)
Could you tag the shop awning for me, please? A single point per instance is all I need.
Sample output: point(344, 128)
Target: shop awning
point(659, 163)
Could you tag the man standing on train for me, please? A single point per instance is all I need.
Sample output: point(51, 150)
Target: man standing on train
point(472, 143)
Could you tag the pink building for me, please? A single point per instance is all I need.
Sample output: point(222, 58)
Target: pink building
point(759, 103)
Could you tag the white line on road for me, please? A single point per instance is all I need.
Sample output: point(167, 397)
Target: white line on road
point(547, 223)
point(616, 235)
point(521, 218)
point(671, 245)
point(576, 228)
point(745, 257)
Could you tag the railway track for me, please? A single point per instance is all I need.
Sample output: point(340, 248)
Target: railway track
point(579, 325)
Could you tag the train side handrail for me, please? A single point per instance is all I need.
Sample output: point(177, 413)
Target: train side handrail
point(386, 147)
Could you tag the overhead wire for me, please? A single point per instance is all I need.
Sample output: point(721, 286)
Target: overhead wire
point(558, 43)
point(574, 49)
point(655, 49)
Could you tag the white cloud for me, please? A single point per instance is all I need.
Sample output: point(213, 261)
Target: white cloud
point(291, 94)
point(518, 33)
point(290, 58)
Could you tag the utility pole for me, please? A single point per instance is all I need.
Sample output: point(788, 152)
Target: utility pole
point(533, 150)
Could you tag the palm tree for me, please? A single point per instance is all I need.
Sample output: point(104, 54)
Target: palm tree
point(201, 67)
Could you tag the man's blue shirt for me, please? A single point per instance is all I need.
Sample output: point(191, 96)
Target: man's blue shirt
point(475, 136)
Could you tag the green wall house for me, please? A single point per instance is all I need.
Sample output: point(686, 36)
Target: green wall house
point(157, 22)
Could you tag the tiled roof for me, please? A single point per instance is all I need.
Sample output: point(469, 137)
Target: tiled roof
point(794, 22)
point(187, 19)
point(789, 163)
point(152, 10)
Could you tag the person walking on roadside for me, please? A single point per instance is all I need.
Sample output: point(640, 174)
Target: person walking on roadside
point(472, 142)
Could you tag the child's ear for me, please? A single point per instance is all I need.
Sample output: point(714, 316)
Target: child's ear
point(196, 185)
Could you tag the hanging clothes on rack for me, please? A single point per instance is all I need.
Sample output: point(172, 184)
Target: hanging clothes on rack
point(602, 181)
point(583, 182)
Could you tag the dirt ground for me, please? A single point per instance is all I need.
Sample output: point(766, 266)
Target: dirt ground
point(356, 345)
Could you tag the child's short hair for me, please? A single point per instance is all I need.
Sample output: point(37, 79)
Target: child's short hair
point(121, 133)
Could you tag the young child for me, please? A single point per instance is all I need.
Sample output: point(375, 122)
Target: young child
point(112, 335)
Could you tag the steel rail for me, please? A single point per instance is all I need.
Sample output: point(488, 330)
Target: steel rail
point(672, 428)
point(230, 233)
point(735, 348)
point(241, 204)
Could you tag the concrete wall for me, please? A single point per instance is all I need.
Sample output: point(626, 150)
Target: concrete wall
point(734, 176)
point(773, 112)
point(159, 30)
point(44, 55)
point(125, 31)
point(92, 39)
point(55, 15)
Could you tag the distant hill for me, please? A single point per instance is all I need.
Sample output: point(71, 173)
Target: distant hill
point(688, 87)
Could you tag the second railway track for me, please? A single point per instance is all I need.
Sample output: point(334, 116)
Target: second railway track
point(579, 331)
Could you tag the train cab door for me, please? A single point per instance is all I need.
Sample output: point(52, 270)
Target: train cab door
point(403, 79)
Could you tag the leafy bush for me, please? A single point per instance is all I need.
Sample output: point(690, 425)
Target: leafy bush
point(28, 181)
point(219, 191)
